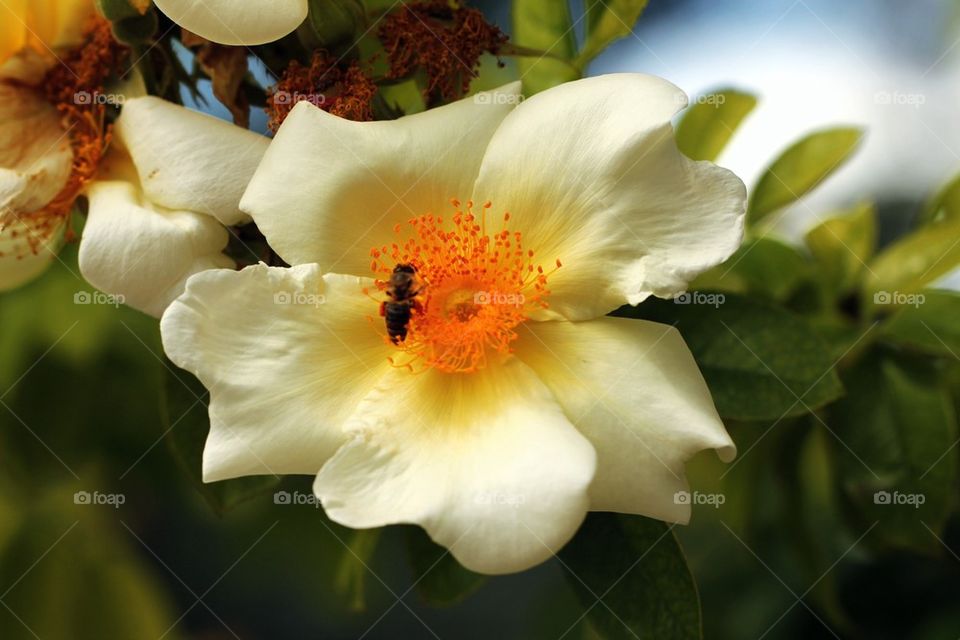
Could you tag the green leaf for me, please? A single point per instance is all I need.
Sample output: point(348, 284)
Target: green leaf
point(841, 247)
point(637, 568)
point(399, 99)
point(76, 560)
point(545, 25)
point(187, 424)
point(335, 22)
point(707, 126)
point(801, 168)
point(607, 21)
point(760, 361)
point(763, 266)
point(894, 433)
point(441, 580)
point(945, 205)
point(845, 338)
point(931, 327)
point(910, 264)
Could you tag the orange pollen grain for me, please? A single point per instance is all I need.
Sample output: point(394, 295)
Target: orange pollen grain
point(476, 288)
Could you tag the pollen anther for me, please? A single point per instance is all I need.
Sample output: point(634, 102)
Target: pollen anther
point(477, 288)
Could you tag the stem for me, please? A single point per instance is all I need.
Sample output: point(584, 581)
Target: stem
point(353, 567)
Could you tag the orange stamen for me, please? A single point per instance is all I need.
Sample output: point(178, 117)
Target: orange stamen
point(476, 289)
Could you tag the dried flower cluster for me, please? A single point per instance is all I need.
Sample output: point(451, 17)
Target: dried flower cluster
point(341, 89)
point(445, 42)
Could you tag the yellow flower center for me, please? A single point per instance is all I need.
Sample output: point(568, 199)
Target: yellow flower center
point(473, 289)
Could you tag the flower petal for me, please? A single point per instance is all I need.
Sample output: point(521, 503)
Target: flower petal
point(57, 24)
point(591, 175)
point(13, 28)
point(634, 390)
point(189, 160)
point(27, 68)
point(487, 464)
point(287, 354)
point(35, 163)
point(35, 153)
point(20, 263)
point(237, 22)
point(140, 251)
point(42, 25)
point(330, 189)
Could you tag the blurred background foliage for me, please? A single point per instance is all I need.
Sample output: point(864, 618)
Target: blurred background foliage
point(831, 343)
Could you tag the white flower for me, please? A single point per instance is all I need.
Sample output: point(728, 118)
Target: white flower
point(528, 406)
point(237, 22)
point(35, 153)
point(158, 209)
point(35, 164)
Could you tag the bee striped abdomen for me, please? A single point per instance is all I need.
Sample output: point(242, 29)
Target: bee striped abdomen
point(402, 292)
point(397, 316)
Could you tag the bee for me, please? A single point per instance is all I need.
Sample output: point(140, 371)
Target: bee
point(403, 288)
